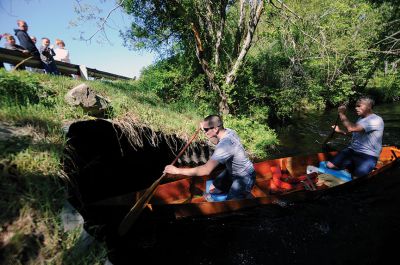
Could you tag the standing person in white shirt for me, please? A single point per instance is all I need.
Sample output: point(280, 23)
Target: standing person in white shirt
point(62, 54)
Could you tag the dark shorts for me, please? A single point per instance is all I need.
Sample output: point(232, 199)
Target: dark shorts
point(358, 164)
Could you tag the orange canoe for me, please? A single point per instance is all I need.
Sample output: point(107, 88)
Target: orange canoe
point(277, 180)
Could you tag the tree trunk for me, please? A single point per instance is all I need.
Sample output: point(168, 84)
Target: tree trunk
point(223, 105)
point(253, 22)
point(243, 40)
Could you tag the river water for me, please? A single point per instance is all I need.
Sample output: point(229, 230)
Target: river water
point(307, 133)
point(360, 225)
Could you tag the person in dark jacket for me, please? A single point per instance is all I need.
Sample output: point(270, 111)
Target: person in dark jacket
point(24, 39)
point(46, 55)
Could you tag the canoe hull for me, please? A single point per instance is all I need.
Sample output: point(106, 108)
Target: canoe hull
point(181, 199)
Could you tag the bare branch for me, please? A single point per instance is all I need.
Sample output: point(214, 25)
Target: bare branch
point(10, 13)
point(393, 52)
point(103, 24)
point(287, 8)
point(324, 47)
point(240, 29)
point(257, 8)
point(388, 37)
point(208, 17)
point(220, 31)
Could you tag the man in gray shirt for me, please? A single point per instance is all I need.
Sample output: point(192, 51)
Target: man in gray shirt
point(361, 155)
point(238, 178)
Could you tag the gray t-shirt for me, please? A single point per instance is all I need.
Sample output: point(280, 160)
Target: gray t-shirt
point(370, 140)
point(230, 152)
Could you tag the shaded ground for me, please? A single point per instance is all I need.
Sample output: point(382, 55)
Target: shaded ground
point(355, 226)
point(20, 237)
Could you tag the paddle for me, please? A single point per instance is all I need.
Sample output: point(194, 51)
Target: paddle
point(141, 203)
point(324, 144)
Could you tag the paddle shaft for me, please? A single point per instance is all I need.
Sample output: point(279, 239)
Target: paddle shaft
point(332, 132)
point(141, 203)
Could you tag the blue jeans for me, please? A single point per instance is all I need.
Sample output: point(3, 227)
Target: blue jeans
point(359, 164)
point(237, 187)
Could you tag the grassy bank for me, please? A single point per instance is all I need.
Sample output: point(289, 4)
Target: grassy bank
point(32, 114)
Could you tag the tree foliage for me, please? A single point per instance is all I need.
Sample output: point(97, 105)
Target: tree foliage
point(317, 54)
point(268, 59)
point(220, 33)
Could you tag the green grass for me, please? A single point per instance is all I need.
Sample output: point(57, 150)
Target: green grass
point(30, 161)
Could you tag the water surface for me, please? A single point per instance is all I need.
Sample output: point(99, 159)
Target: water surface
point(309, 131)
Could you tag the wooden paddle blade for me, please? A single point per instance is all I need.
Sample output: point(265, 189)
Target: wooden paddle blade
point(135, 211)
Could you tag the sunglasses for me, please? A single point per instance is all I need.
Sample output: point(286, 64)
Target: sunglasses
point(207, 129)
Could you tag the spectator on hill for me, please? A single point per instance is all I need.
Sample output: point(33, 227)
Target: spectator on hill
point(11, 45)
point(36, 70)
point(62, 54)
point(33, 38)
point(46, 55)
point(24, 39)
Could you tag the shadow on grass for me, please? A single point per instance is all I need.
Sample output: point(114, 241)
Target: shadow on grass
point(14, 145)
point(29, 206)
point(28, 190)
point(85, 251)
point(36, 192)
point(45, 126)
point(22, 249)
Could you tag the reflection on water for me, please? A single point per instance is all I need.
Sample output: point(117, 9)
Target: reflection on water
point(309, 131)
